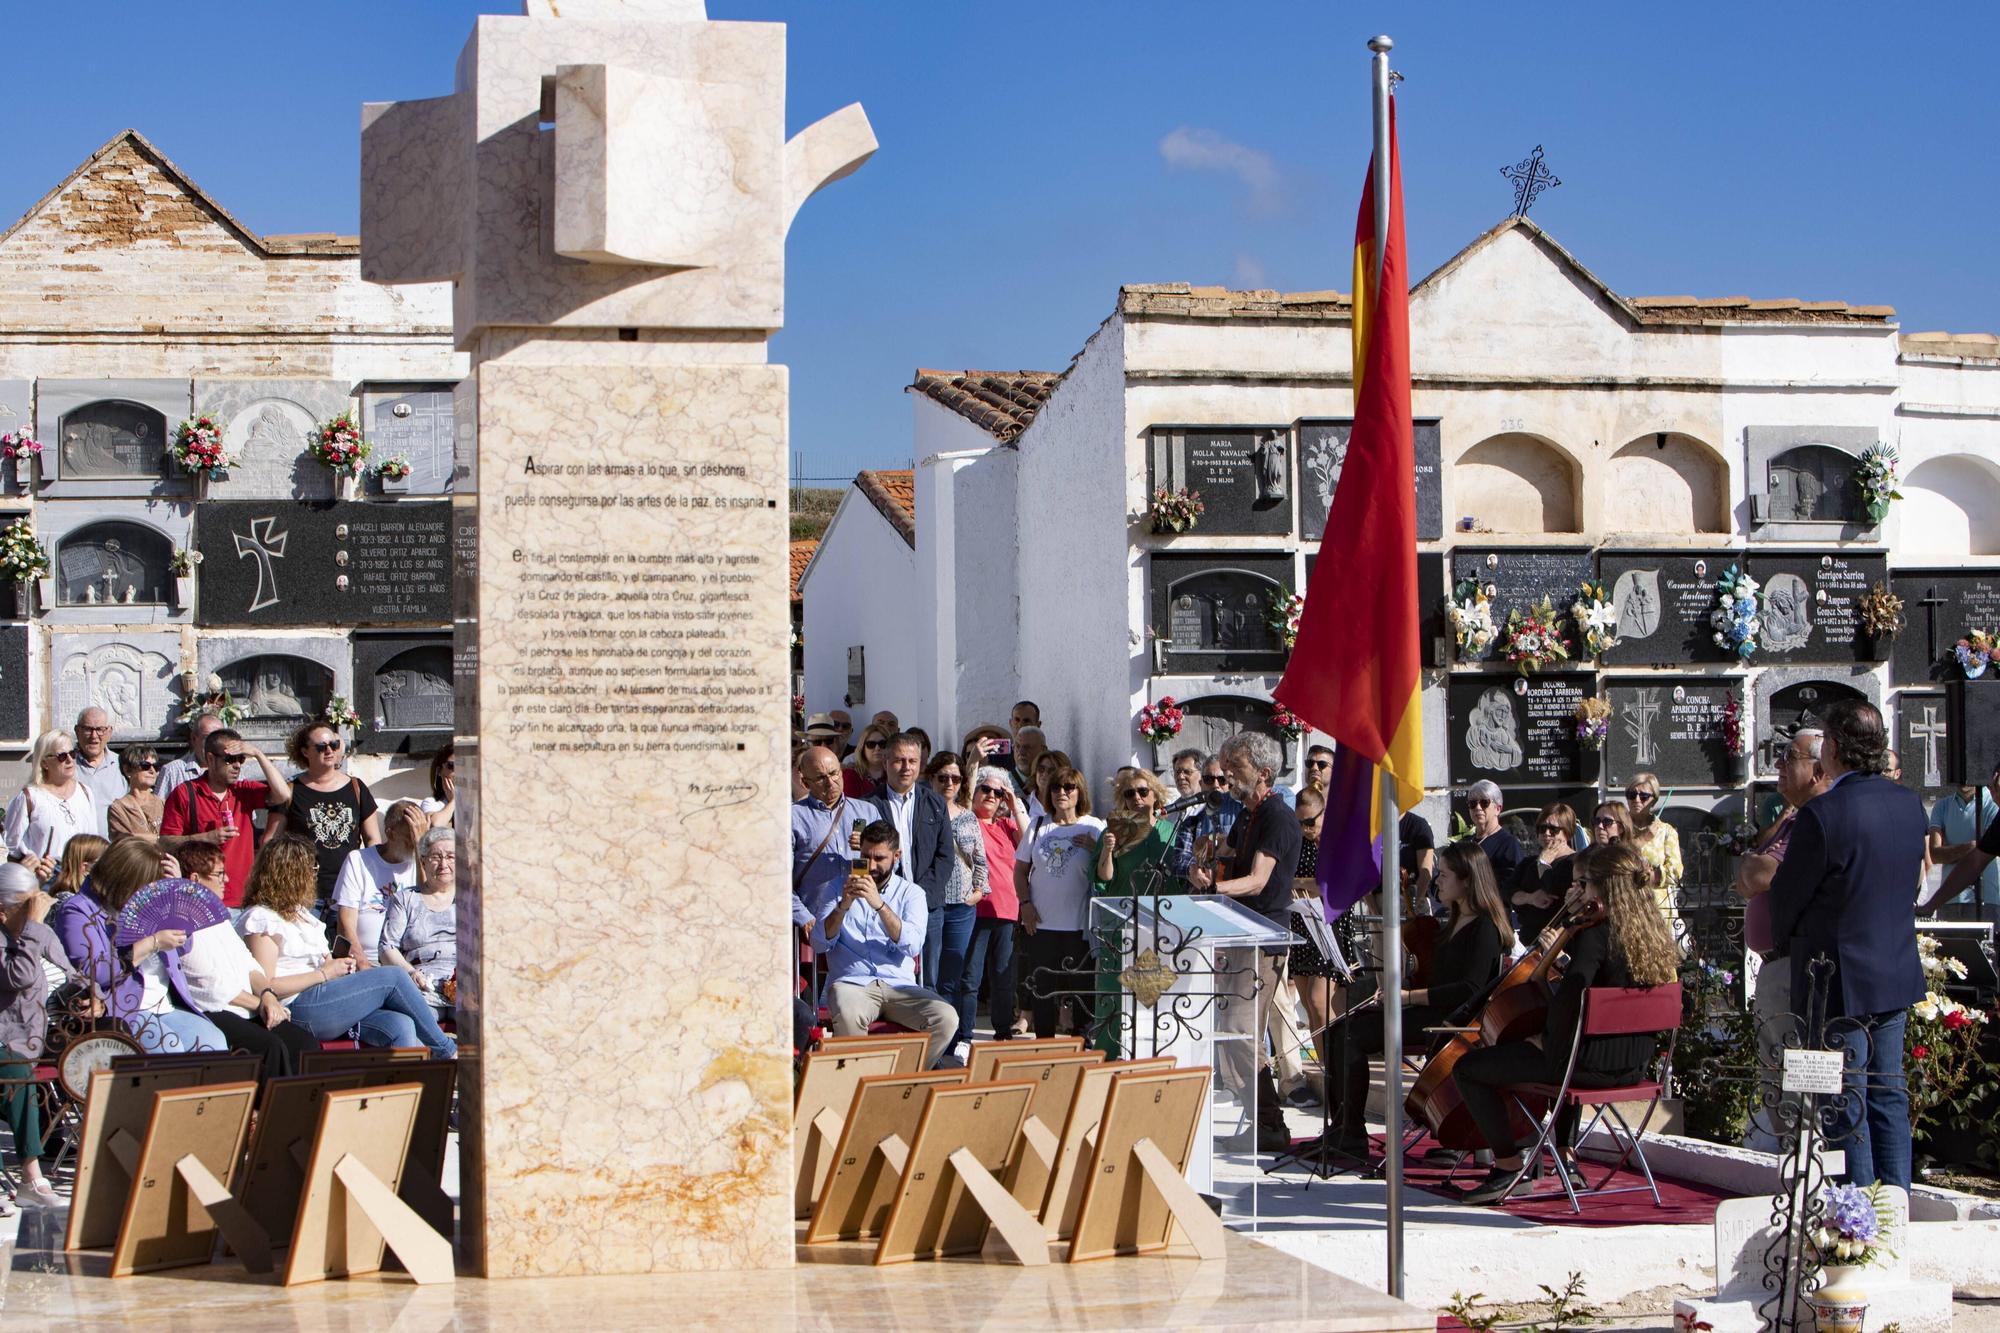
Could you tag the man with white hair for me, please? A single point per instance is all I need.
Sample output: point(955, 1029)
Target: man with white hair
point(96, 766)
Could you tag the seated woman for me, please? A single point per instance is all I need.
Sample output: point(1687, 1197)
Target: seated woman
point(1543, 879)
point(1476, 938)
point(77, 859)
point(327, 996)
point(136, 984)
point(1629, 946)
point(420, 932)
point(24, 1020)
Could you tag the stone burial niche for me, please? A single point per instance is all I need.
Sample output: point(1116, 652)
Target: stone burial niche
point(1213, 613)
point(111, 440)
point(113, 563)
point(279, 681)
point(1803, 481)
point(109, 437)
point(404, 692)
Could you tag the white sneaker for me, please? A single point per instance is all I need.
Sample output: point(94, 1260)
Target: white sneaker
point(40, 1194)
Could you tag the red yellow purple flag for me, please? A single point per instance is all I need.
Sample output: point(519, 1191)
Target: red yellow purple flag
point(1354, 671)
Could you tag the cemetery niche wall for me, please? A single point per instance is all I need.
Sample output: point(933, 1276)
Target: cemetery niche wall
point(1243, 475)
point(1212, 613)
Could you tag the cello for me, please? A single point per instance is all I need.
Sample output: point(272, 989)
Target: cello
point(1511, 1009)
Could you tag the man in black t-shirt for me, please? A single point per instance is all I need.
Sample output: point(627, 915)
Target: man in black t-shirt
point(1419, 853)
point(1264, 859)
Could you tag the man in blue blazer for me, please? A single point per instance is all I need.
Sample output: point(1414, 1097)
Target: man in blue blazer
point(924, 823)
point(1844, 892)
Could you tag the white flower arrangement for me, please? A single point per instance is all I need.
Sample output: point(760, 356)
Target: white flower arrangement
point(1471, 611)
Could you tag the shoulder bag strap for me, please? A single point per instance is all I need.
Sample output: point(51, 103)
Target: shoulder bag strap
point(799, 875)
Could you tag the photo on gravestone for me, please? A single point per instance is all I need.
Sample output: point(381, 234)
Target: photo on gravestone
point(1323, 452)
point(1242, 473)
point(1433, 625)
point(1939, 607)
point(1923, 739)
point(1974, 706)
point(1521, 576)
point(1663, 600)
point(14, 681)
point(113, 563)
point(352, 563)
point(1213, 612)
point(404, 692)
point(1812, 606)
point(1518, 731)
point(1672, 728)
point(414, 423)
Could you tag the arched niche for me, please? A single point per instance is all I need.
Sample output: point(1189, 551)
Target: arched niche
point(413, 691)
point(1951, 507)
point(1211, 719)
point(1666, 482)
point(1815, 483)
point(112, 438)
point(113, 563)
point(277, 692)
point(1517, 483)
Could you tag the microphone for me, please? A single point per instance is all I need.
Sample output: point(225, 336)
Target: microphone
point(1207, 798)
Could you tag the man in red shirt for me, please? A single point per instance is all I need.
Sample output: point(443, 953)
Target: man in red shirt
point(218, 803)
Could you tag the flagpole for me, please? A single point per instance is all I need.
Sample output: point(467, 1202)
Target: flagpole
point(1392, 850)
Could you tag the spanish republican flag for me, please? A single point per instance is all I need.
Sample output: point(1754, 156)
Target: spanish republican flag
point(1354, 670)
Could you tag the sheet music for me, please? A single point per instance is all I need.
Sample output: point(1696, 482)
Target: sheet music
point(1321, 935)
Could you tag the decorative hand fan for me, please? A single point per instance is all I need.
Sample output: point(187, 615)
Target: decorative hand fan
point(168, 904)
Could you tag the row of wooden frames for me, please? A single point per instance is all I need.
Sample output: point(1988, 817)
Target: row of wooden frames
point(1039, 1143)
point(330, 1165)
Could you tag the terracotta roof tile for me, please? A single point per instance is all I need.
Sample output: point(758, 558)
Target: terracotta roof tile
point(1978, 346)
point(894, 495)
point(802, 554)
point(999, 402)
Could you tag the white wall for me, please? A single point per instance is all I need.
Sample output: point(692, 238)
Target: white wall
point(861, 589)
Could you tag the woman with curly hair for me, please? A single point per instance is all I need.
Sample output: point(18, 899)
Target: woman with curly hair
point(1629, 945)
point(326, 995)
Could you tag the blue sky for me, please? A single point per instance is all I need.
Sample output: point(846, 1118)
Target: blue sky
point(1036, 155)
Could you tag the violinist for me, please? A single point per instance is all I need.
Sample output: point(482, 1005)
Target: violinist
point(1629, 945)
point(1477, 936)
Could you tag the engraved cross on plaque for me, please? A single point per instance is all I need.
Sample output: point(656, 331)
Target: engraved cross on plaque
point(1930, 731)
point(265, 547)
point(1640, 715)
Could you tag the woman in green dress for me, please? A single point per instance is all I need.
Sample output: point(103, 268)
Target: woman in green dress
point(1130, 861)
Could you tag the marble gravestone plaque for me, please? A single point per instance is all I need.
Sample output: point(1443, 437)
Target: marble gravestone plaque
point(15, 680)
point(268, 423)
point(131, 676)
point(1672, 728)
point(1433, 624)
point(404, 691)
point(1518, 731)
point(1664, 599)
point(279, 680)
point(1520, 577)
point(350, 563)
point(1923, 739)
point(1213, 612)
point(1940, 605)
point(1242, 474)
point(109, 437)
point(1975, 724)
point(1322, 447)
point(1812, 606)
point(415, 423)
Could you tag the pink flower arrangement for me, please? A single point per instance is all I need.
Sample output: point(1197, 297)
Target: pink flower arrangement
point(197, 447)
point(338, 445)
point(1288, 724)
point(19, 444)
point(1161, 722)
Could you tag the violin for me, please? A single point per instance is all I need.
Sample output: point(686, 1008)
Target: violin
point(1513, 1008)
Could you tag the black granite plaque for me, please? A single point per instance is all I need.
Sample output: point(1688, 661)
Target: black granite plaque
point(1975, 727)
point(1521, 576)
point(1815, 483)
point(1322, 452)
point(350, 563)
point(404, 691)
point(1923, 739)
point(1213, 611)
point(14, 723)
point(1664, 600)
point(1518, 731)
point(1812, 606)
point(1940, 605)
point(1243, 475)
point(1672, 728)
point(1212, 719)
point(1433, 625)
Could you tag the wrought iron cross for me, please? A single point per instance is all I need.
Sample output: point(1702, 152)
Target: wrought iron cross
point(1930, 601)
point(266, 547)
point(1531, 175)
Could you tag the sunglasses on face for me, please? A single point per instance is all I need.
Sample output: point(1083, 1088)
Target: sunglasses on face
point(1550, 828)
point(327, 747)
point(871, 745)
point(1066, 786)
point(148, 765)
point(1633, 796)
point(994, 792)
point(1606, 822)
point(1139, 793)
point(1320, 763)
point(66, 757)
point(952, 778)
point(1214, 780)
point(1479, 803)
point(233, 760)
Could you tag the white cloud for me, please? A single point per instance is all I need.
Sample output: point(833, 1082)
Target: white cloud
point(1190, 149)
point(1250, 275)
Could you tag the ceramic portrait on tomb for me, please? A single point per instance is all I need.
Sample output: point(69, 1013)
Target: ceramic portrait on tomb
point(1493, 732)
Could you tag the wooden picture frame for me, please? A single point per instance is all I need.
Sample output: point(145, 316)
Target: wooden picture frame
point(180, 1193)
point(361, 1057)
point(1055, 1078)
point(869, 1156)
point(1135, 1192)
point(274, 1174)
point(213, 1066)
point(910, 1046)
point(115, 1117)
point(1079, 1137)
point(950, 1197)
point(820, 1103)
point(348, 1210)
point(984, 1055)
point(423, 1171)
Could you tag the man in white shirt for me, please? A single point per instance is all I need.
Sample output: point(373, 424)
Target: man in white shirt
point(872, 933)
point(96, 766)
point(195, 762)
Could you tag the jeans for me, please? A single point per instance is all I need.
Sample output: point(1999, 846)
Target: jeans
point(1057, 969)
point(1769, 1007)
point(1877, 1141)
point(172, 1031)
point(946, 940)
point(382, 1002)
point(992, 945)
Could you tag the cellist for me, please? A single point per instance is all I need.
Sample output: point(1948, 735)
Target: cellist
point(1476, 937)
point(1629, 945)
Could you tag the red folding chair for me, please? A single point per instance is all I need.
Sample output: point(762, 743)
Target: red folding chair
point(1608, 1011)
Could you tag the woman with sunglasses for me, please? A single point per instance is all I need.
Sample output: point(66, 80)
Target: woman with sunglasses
point(52, 807)
point(333, 811)
point(1132, 858)
point(950, 931)
point(992, 946)
point(866, 769)
point(1543, 879)
point(442, 807)
point(137, 813)
point(1052, 879)
point(1657, 842)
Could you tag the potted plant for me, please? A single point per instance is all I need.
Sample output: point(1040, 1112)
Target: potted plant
point(1161, 722)
point(25, 561)
point(394, 474)
point(22, 452)
point(1877, 478)
point(1595, 618)
point(1534, 638)
point(337, 445)
point(1851, 1235)
point(1470, 608)
point(197, 449)
point(1736, 618)
point(1975, 652)
point(1175, 511)
point(1282, 612)
point(182, 563)
point(1593, 721)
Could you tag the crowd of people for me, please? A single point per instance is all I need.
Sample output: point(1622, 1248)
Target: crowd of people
point(329, 919)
